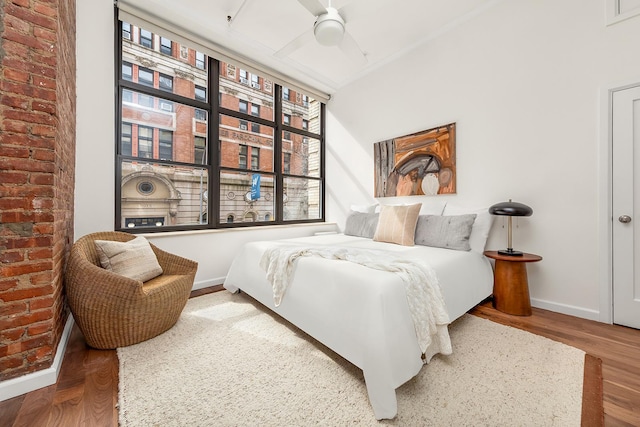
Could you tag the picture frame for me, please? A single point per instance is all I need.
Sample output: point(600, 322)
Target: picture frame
point(422, 163)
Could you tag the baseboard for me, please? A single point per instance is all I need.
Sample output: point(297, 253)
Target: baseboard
point(208, 283)
point(571, 310)
point(43, 378)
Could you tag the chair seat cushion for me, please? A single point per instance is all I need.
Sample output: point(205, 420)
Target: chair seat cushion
point(133, 259)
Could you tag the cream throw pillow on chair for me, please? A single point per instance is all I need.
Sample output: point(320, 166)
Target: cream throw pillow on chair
point(133, 259)
point(397, 224)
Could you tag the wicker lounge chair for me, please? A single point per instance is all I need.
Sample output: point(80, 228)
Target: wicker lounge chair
point(115, 311)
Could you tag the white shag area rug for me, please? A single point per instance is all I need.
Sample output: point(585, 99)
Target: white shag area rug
point(229, 362)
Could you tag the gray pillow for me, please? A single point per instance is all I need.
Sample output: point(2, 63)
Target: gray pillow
point(361, 224)
point(450, 232)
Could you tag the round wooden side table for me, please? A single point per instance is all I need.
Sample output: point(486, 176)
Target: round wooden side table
point(510, 284)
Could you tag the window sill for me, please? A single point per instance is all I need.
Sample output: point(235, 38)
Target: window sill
point(156, 236)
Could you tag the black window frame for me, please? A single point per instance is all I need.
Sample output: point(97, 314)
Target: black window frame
point(200, 114)
point(201, 61)
point(126, 31)
point(129, 67)
point(244, 76)
point(255, 110)
point(212, 106)
point(126, 139)
point(255, 158)
point(165, 82)
point(200, 89)
point(127, 95)
point(148, 100)
point(144, 40)
point(164, 48)
point(243, 155)
point(241, 109)
point(148, 139)
point(146, 71)
point(165, 145)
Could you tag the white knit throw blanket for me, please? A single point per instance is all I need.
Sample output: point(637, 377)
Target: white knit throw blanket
point(426, 304)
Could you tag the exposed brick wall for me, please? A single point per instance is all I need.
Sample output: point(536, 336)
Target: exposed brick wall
point(37, 161)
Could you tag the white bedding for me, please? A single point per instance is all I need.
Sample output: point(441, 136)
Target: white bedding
point(422, 290)
point(362, 313)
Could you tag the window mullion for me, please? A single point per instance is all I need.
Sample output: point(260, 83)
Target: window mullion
point(213, 133)
point(277, 154)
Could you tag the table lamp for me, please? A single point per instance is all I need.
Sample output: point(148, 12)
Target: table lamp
point(510, 209)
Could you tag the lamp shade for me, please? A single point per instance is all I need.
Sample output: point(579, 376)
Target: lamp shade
point(510, 209)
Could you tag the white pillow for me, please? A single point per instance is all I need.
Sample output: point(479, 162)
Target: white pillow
point(133, 259)
point(481, 226)
point(364, 208)
point(429, 206)
point(433, 207)
point(397, 224)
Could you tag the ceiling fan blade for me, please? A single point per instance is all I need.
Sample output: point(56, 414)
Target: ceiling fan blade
point(295, 44)
point(350, 48)
point(314, 6)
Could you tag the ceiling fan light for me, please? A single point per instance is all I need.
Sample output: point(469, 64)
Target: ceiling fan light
point(329, 29)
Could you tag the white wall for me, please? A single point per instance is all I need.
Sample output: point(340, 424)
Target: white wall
point(95, 158)
point(522, 81)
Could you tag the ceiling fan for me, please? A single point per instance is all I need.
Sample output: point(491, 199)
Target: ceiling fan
point(329, 29)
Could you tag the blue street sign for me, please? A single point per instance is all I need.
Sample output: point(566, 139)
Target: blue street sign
point(255, 186)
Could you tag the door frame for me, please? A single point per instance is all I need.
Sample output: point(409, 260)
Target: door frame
point(605, 198)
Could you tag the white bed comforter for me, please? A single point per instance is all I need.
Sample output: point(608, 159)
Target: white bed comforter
point(428, 311)
point(362, 313)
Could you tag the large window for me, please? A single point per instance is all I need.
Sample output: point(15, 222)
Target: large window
point(264, 168)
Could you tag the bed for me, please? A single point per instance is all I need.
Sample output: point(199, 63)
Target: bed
point(361, 313)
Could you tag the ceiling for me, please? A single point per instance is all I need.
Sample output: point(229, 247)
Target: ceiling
point(383, 29)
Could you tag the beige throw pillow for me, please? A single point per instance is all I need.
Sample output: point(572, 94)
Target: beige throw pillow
point(133, 259)
point(397, 224)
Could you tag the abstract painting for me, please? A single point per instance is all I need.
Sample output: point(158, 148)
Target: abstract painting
point(423, 163)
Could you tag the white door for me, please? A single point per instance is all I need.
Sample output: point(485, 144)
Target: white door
point(626, 206)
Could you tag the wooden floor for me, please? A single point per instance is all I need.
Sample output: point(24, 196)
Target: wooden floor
point(86, 393)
